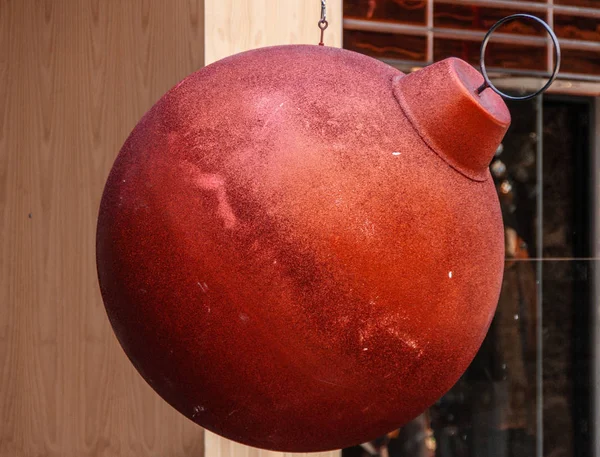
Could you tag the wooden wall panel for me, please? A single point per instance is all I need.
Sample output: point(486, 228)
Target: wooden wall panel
point(234, 26)
point(220, 447)
point(75, 77)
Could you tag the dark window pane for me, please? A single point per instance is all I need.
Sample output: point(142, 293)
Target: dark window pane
point(558, 182)
point(566, 357)
point(566, 283)
point(499, 55)
point(404, 11)
point(578, 28)
point(557, 280)
point(586, 3)
point(515, 171)
point(585, 62)
point(557, 329)
point(466, 50)
point(386, 45)
point(478, 18)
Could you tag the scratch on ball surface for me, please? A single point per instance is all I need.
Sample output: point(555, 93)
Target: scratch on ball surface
point(328, 382)
point(269, 119)
point(368, 407)
point(368, 228)
point(197, 410)
point(215, 183)
point(410, 342)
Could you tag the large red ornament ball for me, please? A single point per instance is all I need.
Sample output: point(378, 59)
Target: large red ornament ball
point(300, 248)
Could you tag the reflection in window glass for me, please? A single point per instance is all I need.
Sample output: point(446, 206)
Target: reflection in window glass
point(401, 11)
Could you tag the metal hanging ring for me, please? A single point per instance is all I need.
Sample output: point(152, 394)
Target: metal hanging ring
point(323, 22)
point(488, 84)
point(322, 25)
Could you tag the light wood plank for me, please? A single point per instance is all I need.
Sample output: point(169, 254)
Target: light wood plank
point(75, 77)
point(234, 26)
point(217, 446)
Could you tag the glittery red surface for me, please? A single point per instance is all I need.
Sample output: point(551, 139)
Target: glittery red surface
point(284, 258)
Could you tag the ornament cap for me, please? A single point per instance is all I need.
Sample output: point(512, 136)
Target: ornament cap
point(464, 128)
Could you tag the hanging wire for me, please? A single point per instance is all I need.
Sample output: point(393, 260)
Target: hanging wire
point(323, 22)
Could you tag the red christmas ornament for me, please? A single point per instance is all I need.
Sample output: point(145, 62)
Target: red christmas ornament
point(300, 248)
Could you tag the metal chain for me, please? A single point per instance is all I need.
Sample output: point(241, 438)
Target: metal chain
point(323, 22)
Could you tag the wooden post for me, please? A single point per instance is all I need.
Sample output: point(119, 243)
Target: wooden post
point(233, 26)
